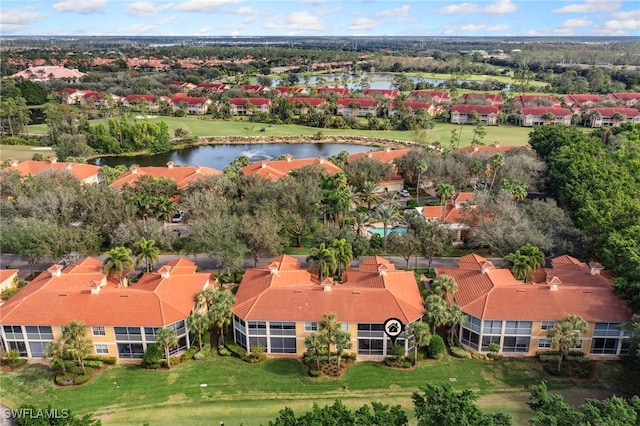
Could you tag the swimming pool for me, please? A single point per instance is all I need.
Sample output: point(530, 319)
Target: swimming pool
point(380, 231)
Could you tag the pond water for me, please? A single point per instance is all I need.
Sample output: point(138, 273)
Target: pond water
point(380, 231)
point(219, 156)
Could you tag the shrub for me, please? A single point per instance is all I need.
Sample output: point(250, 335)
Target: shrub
point(397, 352)
point(65, 379)
point(436, 347)
point(349, 357)
point(94, 364)
point(459, 352)
point(200, 356)
point(549, 357)
point(315, 373)
point(224, 352)
point(494, 347)
point(401, 362)
point(111, 360)
point(412, 204)
point(76, 369)
point(495, 356)
point(7, 293)
point(17, 363)
point(152, 356)
point(190, 353)
point(236, 350)
point(83, 378)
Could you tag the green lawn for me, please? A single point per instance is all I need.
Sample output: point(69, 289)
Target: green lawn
point(22, 152)
point(237, 392)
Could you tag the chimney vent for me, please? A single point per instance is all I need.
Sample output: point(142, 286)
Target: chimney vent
point(53, 160)
point(170, 164)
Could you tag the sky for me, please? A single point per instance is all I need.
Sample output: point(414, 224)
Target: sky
point(320, 18)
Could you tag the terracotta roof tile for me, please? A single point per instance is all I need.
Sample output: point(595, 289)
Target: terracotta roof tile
point(181, 175)
point(277, 169)
point(384, 156)
point(79, 170)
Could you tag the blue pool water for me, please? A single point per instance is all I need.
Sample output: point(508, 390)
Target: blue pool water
point(380, 231)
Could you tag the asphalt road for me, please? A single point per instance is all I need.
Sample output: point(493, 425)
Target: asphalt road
point(207, 263)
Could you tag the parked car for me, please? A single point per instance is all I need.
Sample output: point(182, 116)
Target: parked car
point(403, 193)
point(177, 218)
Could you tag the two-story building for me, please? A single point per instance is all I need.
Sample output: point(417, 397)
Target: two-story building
point(120, 320)
point(279, 305)
point(518, 315)
point(463, 114)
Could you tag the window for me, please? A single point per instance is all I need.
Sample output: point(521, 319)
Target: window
point(370, 346)
point(13, 332)
point(98, 331)
point(492, 327)
point(20, 346)
point(130, 350)
point(544, 343)
point(470, 338)
point(602, 346)
point(42, 332)
point(518, 327)
point(472, 323)
point(345, 326)
point(579, 345)
point(605, 329)
point(310, 326)
point(38, 349)
point(239, 324)
point(150, 333)
point(371, 330)
point(102, 349)
point(280, 328)
point(547, 325)
point(283, 345)
point(128, 333)
point(516, 344)
point(489, 339)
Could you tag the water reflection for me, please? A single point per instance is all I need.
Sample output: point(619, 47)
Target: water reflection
point(219, 156)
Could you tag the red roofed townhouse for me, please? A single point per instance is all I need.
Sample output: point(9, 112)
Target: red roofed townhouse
point(46, 73)
point(183, 176)
point(523, 101)
point(414, 106)
point(247, 106)
point(192, 105)
point(598, 117)
point(70, 95)
point(393, 182)
point(452, 215)
point(149, 102)
point(182, 86)
point(8, 278)
point(626, 99)
point(387, 93)
point(94, 99)
point(485, 150)
point(288, 91)
point(98, 62)
point(121, 320)
point(488, 113)
point(340, 91)
point(577, 101)
point(435, 96)
point(539, 116)
point(356, 107)
point(85, 173)
point(517, 316)
point(252, 88)
point(304, 105)
point(211, 87)
point(484, 98)
point(279, 305)
point(277, 169)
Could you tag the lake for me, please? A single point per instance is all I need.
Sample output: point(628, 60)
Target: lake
point(219, 156)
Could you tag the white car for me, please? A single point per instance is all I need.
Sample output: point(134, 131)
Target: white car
point(177, 218)
point(403, 193)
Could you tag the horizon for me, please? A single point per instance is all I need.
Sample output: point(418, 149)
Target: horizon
point(319, 18)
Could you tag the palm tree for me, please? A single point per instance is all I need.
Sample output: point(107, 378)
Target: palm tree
point(368, 193)
point(56, 350)
point(456, 317)
point(421, 167)
point(496, 161)
point(329, 327)
point(118, 260)
point(342, 342)
point(76, 343)
point(518, 264)
point(343, 253)
point(198, 323)
point(535, 255)
point(548, 117)
point(324, 259)
point(147, 252)
point(436, 311)
point(316, 343)
point(517, 189)
point(444, 191)
point(386, 214)
point(618, 118)
point(220, 314)
point(418, 331)
point(165, 339)
point(566, 335)
point(443, 286)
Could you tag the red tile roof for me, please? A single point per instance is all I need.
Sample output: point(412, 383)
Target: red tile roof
point(480, 109)
point(609, 112)
point(580, 98)
point(491, 97)
point(311, 101)
point(439, 94)
point(495, 148)
point(79, 170)
point(277, 169)
point(540, 111)
point(373, 293)
point(342, 91)
point(183, 176)
point(496, 294)
point(47, 72)
point(218, 87)
point(364, 102)
point(525, 99)
point(416, 105)
point(626, 96)
point(386, 155)
point(252, 101)
point(56, 298)
point(391, 93)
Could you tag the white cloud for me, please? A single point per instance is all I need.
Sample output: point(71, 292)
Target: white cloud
point(203, 5)
point(145, 8)
point(496, 28)
point(537, 33)
point(630, 14)
point(297, 21)
point(362, 24)
point(326, 10)
point(249, 19)
point(19, 17)
point(244, 10)
point(137, 29)
point(589, 6)
point(618, 27)
point(83, 7)
point(399, 11)
point(459, 9)
point(470, 28)
point(570, 26)
point(165, 21)
point(501, 7)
